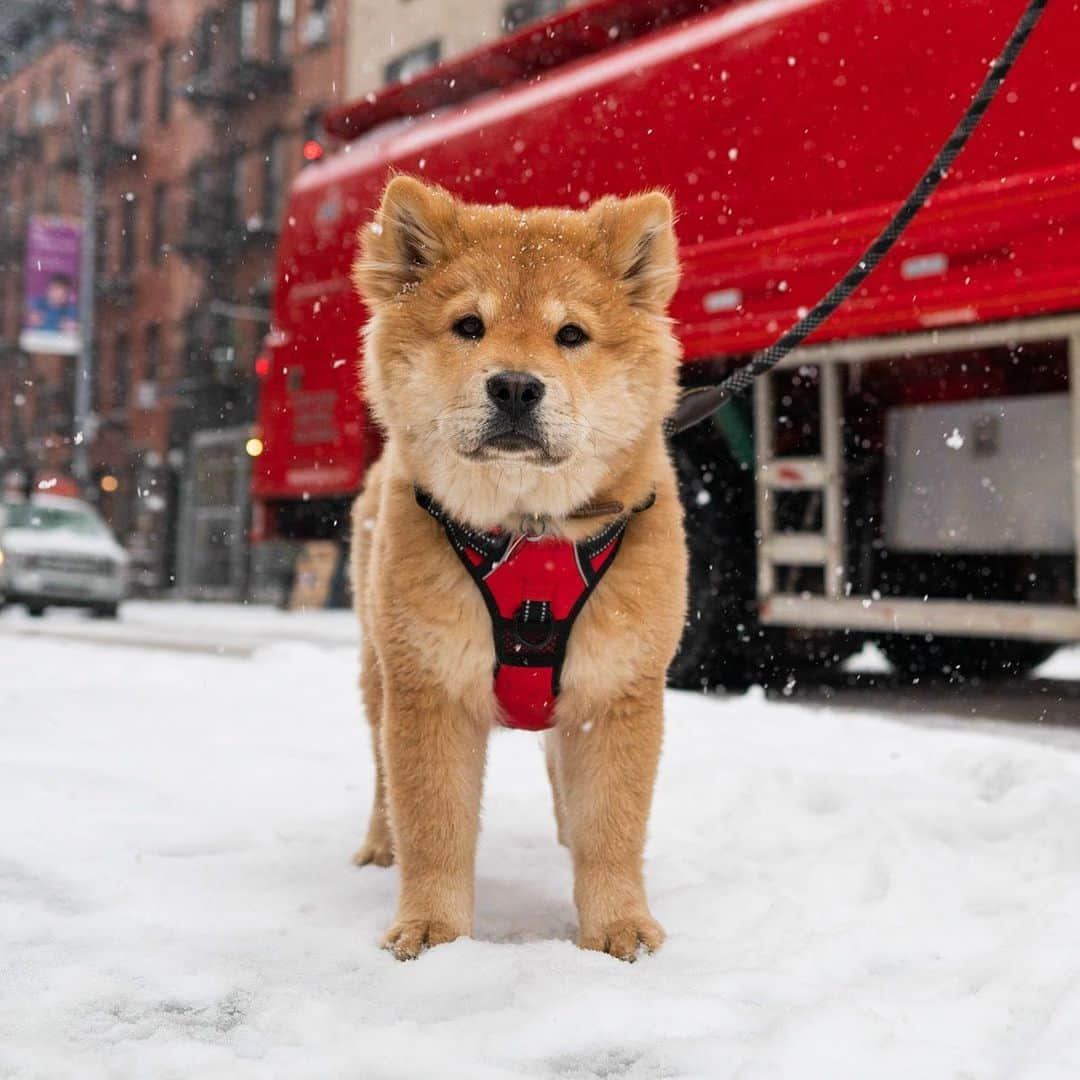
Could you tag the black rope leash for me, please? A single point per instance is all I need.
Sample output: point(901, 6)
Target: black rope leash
point(701, 402)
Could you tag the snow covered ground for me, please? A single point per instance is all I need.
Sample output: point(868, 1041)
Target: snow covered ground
point(845, 896)
point(217, 629)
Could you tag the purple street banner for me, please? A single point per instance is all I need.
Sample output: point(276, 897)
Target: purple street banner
point(51, 319)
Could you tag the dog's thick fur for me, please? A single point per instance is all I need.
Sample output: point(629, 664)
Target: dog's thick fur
point(427, 261)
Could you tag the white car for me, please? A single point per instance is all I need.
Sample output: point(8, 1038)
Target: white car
point(56, 551)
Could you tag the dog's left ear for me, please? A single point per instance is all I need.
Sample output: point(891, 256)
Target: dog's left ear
point(411, 233)
point(639, 239)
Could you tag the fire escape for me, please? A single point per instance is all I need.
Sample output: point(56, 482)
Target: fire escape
point(234, 65)
point(240, 57)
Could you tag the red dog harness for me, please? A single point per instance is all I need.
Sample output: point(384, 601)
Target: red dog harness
point(534, 588)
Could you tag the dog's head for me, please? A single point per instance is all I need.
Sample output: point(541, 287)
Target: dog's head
point(517, 358)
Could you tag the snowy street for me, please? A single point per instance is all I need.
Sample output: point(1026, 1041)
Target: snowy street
point(847, 894)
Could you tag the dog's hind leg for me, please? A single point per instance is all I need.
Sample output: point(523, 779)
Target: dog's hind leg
point(378, 846)
point(606, 771)
point(556, 794)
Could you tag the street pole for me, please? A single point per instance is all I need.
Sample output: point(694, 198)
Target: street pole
point(84, 368)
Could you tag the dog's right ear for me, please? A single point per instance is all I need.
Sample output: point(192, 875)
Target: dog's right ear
point(411, 233)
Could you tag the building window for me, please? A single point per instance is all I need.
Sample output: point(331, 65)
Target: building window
point(152, 363)
point(158, 238)
point(121, 370)
point(127, 235)
point(97, 396)
point(104, 240)
point(57, 98)
point(316, 27)
point(313, 128)
point(166, 75)
point(201, 209)
point(273, 178)
point(227, 182)
point(136, 86)
point(518, 13)
point(190, 344)
point(83, 119)
point(204, 39)
point(283, 16)
point(410, 64)
point(105, 106)
point(239, 172)
point(31, 96)
point(43, 110)
point(248, 16)
point(30, 189)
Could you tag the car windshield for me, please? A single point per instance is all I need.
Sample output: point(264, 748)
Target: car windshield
point(82, 521)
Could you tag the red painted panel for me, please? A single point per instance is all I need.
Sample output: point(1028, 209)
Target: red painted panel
point(786, 130)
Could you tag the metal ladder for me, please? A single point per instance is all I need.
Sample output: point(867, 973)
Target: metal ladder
point(823, 474)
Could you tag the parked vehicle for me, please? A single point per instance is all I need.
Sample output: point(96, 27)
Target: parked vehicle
point(57, 552)
point(913, 474)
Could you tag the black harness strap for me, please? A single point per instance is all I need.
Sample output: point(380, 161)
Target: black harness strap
point(531, 632)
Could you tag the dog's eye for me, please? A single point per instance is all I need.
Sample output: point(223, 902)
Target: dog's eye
point(571, 335)
point(470, 327)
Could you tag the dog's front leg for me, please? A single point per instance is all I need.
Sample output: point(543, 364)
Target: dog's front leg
point(606, 766)
point(434, 757)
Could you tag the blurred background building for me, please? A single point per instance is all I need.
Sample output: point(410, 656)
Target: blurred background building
point(393, 40)
point(170, 130)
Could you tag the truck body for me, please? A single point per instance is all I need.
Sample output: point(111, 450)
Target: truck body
point(912, 473)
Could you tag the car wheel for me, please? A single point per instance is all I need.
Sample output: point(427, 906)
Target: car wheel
point(35, 610)
point(105, 611)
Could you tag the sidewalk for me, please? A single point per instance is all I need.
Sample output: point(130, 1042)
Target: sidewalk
point(217, 629)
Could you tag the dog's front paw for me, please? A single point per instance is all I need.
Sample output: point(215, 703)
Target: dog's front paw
point(377, 852)
point(624, 938)
point(408, 938)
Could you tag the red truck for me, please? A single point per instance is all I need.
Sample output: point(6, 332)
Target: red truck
point(912, 475)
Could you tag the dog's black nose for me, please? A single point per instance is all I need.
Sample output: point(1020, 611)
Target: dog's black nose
point(515, 393)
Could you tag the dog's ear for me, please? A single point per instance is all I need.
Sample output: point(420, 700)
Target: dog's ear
point(411, 233)
point(638, 238)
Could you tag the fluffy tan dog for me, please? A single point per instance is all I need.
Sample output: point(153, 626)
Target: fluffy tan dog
point(572, 307)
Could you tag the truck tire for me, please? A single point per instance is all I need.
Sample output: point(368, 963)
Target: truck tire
point(105, 611)
point(724, 645)
point(35, 610)
point(959, 660)
point(714, 495)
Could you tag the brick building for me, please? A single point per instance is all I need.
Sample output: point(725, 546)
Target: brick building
point(195, 115)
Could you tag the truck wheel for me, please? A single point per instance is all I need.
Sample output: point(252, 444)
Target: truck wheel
point(105, 611)
point(35, 610)
point(712, 493)
point(958, 660)
point(724, 645)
